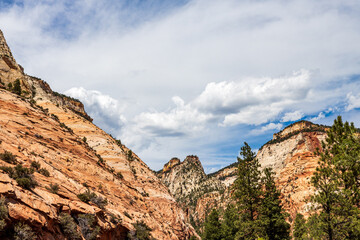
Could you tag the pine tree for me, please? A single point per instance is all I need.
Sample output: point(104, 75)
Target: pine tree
point(337, 181)
point(17, 87)
point(229, 224)
point(248, 194)
point(300, 230)
point(212, 226)
point(272, 215)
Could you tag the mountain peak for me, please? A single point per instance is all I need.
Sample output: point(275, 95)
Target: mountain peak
point(5, 53)
point(296, 127)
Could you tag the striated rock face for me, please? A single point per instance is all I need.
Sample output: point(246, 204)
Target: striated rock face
point(294, 162)
point(54, 131)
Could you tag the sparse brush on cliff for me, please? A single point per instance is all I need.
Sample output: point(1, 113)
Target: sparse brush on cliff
point(141, 232)
point(88, 226)
point(22, 175)
point(23, 232)
point(69, 226)
point(8, 157)
point(3, 213)
point(54, 188)
point(92, 197)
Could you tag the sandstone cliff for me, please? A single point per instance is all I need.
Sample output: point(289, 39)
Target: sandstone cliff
point(78, 168)
point(289, 154)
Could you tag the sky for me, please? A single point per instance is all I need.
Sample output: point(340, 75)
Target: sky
point(173, 78)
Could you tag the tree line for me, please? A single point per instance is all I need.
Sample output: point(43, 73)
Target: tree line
point(257, 212)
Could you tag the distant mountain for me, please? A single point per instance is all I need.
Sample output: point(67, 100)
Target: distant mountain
point(290, 154)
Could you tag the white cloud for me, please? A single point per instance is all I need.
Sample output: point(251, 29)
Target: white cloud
point(223, 58)
point(292, 116)
point(321, 115)
point(106, 111)
point(266, 128)
point(353, 101)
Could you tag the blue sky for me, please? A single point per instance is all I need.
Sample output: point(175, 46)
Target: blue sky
point(175, 78)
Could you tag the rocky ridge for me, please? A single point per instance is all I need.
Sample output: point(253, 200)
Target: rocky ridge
point(290, 154)
point(54, 132)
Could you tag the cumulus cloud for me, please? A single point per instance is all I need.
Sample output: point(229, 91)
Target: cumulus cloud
point(222, 58)
point(266, 128)
point(292, 116)
point(353, 101)
point(106, 111)
point(181, 120)
point(321, 115)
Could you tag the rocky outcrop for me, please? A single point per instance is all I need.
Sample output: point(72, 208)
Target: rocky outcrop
point(168, 166)
point(291, 156)
point(51, 134)
point(189, 184)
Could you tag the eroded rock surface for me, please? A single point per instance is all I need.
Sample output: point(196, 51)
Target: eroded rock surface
point(54, 130)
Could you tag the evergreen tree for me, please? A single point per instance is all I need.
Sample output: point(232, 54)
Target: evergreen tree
point(300, 230)
point(272, 215)
point(212, 226)
point(248, 193)
point(337, 180)
point(17, 87)
point(229, 223)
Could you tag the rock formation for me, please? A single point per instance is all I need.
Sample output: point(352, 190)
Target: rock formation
point(290, 154)
point(78, 168)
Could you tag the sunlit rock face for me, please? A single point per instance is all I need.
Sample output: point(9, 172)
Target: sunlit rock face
point(290, 154)
point(54, 131)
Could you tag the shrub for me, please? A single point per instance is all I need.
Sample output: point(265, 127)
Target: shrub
point(17, 87)
point(84, 139)
point(130, 155)
point(44, 172)
point(92, 197)
point(119, 175)
point(3, 213)
point(22, 175)
point(141, 232)
point(26, 183)
point(99, 201)
point(35, 165)
point(101, 160)
point(69, 226)
point(8, 157)
point(89, 229)
point(23, 232)
point(86, 196)
point(54, 188)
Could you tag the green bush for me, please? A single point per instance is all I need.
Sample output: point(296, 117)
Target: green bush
point(54, 188)
point(22, 231)
point(17, 87)
point(141, 232)
point(8, 157)
point(130, 156)
point(26, 183)
point(86, 196)
point(44, 172)
point(35, 165)
point(92, 197)
point(22, 175)
point(69, 226)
